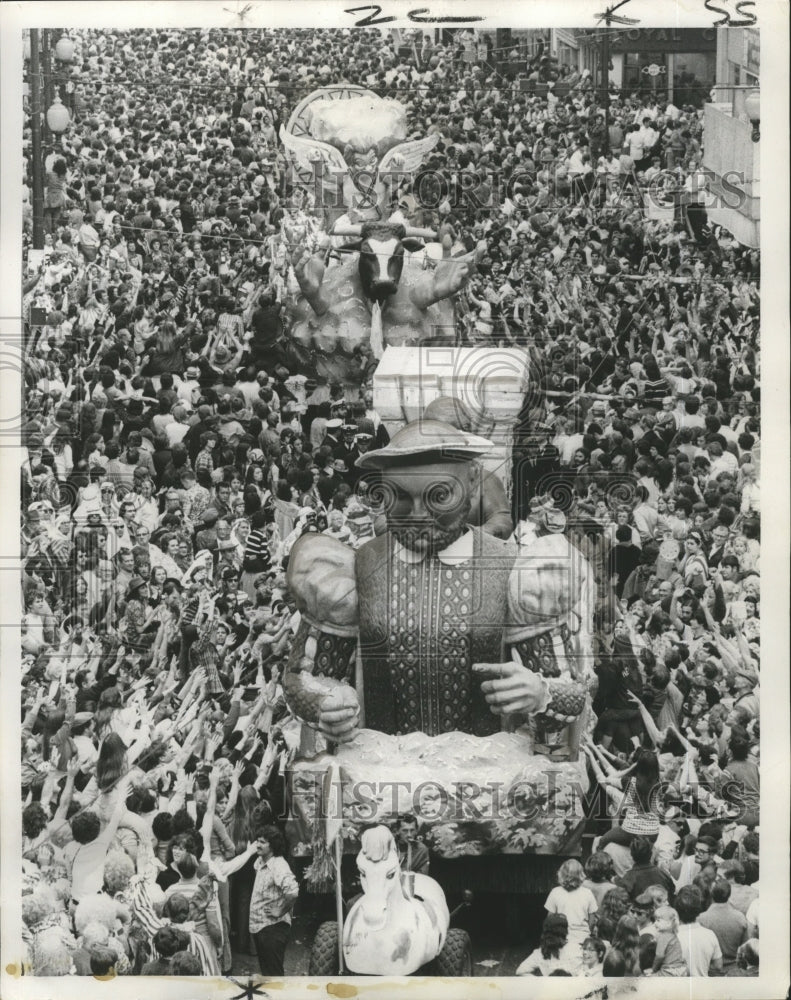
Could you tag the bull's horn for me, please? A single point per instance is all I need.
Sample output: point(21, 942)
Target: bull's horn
point(425, 234)
point(348, 230)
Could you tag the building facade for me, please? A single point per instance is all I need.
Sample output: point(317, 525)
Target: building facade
point(676, 64)
point(731, 157)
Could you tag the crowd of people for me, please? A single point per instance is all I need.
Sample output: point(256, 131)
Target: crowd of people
point(646, 922)
point(176, 450)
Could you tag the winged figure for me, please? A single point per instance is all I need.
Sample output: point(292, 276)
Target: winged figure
point(354, 182)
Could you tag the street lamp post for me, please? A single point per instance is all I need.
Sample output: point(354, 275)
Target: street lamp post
point(35, 137)
point(64, 49)
point(57, 121)
point(752, 108)
point(605, 59)
point(45, 59)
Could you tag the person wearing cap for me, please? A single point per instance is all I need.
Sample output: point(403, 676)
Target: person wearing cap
point(188, 387)
point(336, 468)
point(346, 450)
point(333, 437)
point(206, 535)
point(363, 442)
point(745, 688)
point(427, 481)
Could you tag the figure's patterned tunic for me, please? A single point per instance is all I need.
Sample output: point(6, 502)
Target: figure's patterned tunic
point(423, 623)
point(431, 684)
point(422, 626)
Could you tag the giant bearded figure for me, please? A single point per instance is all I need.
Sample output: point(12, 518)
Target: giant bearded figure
point(457, 630)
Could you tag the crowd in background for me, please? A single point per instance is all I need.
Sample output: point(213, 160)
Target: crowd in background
point(176, 450)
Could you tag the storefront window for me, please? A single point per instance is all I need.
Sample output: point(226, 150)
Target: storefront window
point(637, 79)
point(694, 74)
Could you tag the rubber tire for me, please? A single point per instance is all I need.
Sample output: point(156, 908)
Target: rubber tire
point(324, 953)
point(455, 959)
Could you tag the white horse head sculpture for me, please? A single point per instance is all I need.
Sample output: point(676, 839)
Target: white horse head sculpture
point(389, 931)
point(380, 874)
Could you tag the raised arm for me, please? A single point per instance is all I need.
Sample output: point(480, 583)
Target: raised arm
point(654, 734)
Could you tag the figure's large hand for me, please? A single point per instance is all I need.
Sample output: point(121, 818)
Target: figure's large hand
point(309, 270)
point(453, 273)
point(510, 688)
point(340, 714)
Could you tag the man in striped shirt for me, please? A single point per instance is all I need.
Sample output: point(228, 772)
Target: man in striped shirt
point(204, 462)
point(275, 892)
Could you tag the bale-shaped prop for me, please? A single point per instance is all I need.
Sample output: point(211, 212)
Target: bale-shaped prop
point(321, 577)
point(546, 587)
point(365, 122)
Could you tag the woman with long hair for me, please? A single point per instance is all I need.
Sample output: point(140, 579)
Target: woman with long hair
point(60, 443)
point(164, 351)
point(655, 386)
point(256, 476)
point(112, 765)
point(242, 833)
point(625, 947)
point(613, 906)
point(619, 723)
point(240, 532)
point(252, 499)
point(156, 582)
point(553, 952)
point(107, 711)
point(643, 788)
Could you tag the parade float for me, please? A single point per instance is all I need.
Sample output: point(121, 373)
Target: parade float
point(499, 799)
point(406, 646)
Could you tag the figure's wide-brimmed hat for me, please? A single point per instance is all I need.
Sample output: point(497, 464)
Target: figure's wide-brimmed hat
point(422, 440)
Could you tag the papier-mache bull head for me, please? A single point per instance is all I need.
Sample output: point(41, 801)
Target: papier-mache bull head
point(381, 246)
